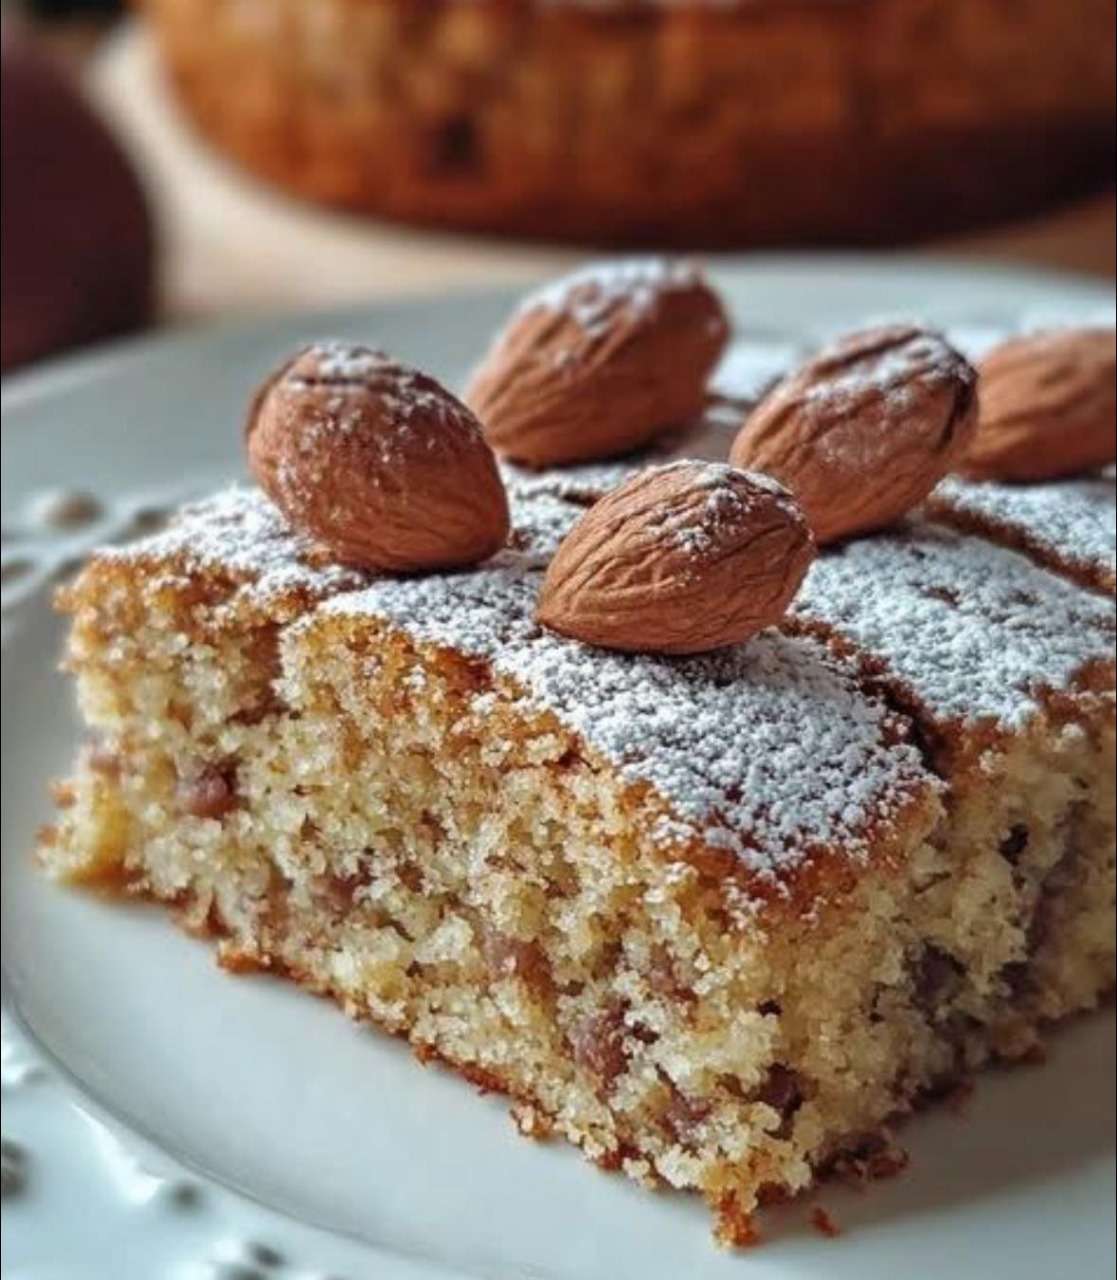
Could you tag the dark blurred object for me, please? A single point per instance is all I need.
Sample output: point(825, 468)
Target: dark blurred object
point(73, 8)
point(77, 238)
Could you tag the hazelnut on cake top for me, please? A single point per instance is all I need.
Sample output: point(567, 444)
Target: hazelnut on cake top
point(836, 833)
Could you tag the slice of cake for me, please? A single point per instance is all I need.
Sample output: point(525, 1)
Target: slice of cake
point(715, 919)
point(716, 912)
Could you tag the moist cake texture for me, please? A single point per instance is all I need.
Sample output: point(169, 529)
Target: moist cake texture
point(716, 919)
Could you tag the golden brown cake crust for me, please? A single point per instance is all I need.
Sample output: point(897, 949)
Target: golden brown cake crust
point(684, 122)
point(717, 919)
point(398, 792)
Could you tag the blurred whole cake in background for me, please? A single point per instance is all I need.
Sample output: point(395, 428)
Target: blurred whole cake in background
point(730, 123)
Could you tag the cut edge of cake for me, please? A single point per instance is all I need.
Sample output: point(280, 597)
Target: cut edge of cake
point(626, 983)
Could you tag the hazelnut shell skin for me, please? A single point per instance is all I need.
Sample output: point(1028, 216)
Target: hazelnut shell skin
point(682, 558)
point(376, 462)
point(865, 429)
point(1048, 404)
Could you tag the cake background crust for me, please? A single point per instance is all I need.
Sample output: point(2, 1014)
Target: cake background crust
point(792, 121)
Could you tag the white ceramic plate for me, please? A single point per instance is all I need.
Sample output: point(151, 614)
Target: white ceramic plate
point(164, 1118)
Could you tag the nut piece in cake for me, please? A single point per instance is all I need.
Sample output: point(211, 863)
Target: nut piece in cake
point(681, 558)
point(865, 429)
point(376, 461)
point(600, 362)
point(1048, 404)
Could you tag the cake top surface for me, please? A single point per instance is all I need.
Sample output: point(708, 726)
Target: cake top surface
point(976, 632)
point(238, 532)
point(764, 750)
point(1070, 523)
point(767, 749)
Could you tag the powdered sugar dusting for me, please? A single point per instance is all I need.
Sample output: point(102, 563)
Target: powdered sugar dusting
point(590, 293)
point(1070, 525)
point(887, 373)
point(975, 632)
point(582, 484)
point(347, 360)
point(240, 533)
point(725, 738)
point(541, 521)
point(707, 439)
